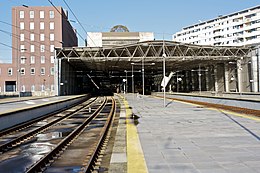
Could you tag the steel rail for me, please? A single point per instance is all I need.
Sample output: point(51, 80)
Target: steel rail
point(28, 123)
point(247, 111)
point(23, 138)
point(98, 146)
point(40, 165)
point(33, 121)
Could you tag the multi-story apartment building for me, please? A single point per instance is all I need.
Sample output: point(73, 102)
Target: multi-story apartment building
point(36, 31)
point(236, 29)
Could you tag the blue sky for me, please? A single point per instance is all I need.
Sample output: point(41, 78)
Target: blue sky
point(164, 16)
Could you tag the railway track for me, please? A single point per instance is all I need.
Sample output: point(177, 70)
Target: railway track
point(30, 123)
point(236, 109)
point(91, 120)
point(13, 137)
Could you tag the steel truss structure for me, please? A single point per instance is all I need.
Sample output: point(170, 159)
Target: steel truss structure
point(178, 55)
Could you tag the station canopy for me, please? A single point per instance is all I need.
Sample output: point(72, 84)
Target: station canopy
point(179, 56)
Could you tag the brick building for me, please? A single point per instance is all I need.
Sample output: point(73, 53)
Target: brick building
point(36, 32)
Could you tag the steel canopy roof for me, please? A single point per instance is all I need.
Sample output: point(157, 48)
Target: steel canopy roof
point(179, 56)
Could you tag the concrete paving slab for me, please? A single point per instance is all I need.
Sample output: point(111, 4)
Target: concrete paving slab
point(189, 138)
point(118, 158)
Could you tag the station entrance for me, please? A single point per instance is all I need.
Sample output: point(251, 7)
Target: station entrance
point(139, 68)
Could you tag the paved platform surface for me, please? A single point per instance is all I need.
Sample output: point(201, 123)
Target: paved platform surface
point(11, 104)
point(189, 138)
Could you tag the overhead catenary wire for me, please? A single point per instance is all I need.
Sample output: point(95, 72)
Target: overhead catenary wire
point(79, 22)
point(29, 31)
point(64, 18)
point(28, 40)
point(6, 45)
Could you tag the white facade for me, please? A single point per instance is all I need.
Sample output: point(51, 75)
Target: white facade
point(236, 29)
point(107, 39)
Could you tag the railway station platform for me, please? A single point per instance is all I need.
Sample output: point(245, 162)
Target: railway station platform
point(183, 137)
point(14, 111)
point(14, 104)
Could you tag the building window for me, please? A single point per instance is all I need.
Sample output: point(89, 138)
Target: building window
point(51, 37)
point(41, 25)
point(51, 14)
point(32, 88)
point(31, 14)
point(41, 37)
point(31, 25)
point(42, 71)
point(52, 48)
point(42, 59)
point(32, 71)
point(52, 70)
point(22, 59)
point(52, 25)
point(21, 25)
point(52, 87)
point(23, 88)
point(22, 48)
point(52, 59)
point(42, 47)
point(32, 59)
point(32, 48)
point(42, 88)
point(32, 37)
point(22, 71)
point(21, 14)
point(21, 37)
point(41, 14)
point(10, 71)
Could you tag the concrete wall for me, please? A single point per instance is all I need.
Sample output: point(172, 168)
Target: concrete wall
point(250, 104)
point(8, 120)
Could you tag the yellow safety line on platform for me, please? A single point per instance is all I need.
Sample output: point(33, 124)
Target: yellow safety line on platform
point(135, 157)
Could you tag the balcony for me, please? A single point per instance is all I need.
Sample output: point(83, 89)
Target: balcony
point(252, 33)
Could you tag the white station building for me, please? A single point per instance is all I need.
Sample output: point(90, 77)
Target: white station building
point(119, 35)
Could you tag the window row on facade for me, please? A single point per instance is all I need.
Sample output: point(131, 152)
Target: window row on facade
point(32, 48)
point(210, 30)
point(32, 25)
point(32, 59)
point(32, 14)
point(41, 37)
point(34, 88)
point(32, 71)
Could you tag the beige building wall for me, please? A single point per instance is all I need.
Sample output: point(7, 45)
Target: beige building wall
point(108, 39)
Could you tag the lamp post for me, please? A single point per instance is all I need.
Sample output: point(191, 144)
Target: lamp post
point(164, 94)
point(126, 81)
point(164, 56)
point(132, 71)
point(143, 65)
point(178, 79)
point(199, 76)
point(143, 73)
point(19, 73)
point(133, 85)
point(18, 50)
